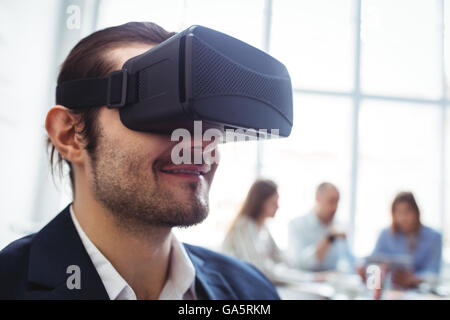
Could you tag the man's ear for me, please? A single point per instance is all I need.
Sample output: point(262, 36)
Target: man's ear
point(60, 124)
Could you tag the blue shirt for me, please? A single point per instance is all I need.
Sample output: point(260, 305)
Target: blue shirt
point(305, 233)
point(426, 256)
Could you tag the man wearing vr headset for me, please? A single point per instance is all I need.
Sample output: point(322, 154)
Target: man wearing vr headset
point(115, 241)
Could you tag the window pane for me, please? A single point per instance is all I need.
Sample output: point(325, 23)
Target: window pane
point(114, 12)
point(22, 111)
point(401, 48)
point(447, 43)
point(314, 39)
point(399, 149)
point(241, 19)
point(318, 150)
point(447, 186)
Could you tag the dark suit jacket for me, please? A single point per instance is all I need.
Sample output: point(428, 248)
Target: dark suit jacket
point(35, 267)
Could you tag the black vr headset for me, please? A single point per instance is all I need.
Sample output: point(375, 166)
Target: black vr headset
point(198, 74)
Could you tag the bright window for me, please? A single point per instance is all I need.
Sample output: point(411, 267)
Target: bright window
point(400, 52)
point(314, 40)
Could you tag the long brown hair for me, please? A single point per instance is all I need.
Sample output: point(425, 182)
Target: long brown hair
point(90, 59)
point(260, 191)
point(407, 197)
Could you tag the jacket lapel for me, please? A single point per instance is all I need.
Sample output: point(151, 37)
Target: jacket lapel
point(56, 247)
point(208, 281)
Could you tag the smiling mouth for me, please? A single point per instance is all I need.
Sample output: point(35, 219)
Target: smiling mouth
point(191, 170)
point(198, 173)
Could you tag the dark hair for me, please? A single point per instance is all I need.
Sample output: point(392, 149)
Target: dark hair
point(259, 192)
point(89, 59)
point(405, 197)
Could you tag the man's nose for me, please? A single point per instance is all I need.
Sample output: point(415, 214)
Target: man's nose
point(203, 149)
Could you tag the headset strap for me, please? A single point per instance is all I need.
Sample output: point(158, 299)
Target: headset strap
point(115, 91)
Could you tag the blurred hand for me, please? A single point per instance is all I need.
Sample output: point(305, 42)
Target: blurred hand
point(327, 241)
point(405, 279)
point(337, 234)
point(362, 272)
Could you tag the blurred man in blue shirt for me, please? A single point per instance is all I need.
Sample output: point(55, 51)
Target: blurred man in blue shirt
point(314, 243)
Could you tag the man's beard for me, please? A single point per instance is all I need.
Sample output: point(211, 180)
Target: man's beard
point(128, 185)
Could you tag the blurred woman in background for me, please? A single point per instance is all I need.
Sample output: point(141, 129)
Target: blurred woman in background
point(248, 237)
point(408, 236)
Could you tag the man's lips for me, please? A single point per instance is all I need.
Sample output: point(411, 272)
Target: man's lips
point(187, 169)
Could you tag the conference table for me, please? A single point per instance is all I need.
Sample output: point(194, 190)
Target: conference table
point(336, 285)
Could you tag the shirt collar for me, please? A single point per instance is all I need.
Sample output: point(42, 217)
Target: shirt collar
point(180, 282)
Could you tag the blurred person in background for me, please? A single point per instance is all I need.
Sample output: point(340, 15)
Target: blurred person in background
point(249, 239)
point(314, 242)
point(407, 236)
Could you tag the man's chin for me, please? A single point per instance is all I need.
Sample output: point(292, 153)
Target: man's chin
point(188, 218)
point(186, 208)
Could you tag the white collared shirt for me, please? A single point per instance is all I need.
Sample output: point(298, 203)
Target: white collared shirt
point(180, 284)
point(254, 244)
